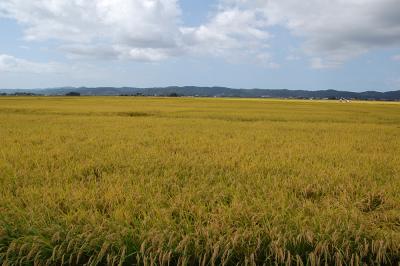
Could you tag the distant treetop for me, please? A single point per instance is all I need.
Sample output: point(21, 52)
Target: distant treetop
point(73, 93)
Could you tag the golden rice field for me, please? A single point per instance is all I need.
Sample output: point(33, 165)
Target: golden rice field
point(188, 181)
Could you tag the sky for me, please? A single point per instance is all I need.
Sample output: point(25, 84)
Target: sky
point(271, 44)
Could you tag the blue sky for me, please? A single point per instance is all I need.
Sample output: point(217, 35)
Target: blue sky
point(286, 44)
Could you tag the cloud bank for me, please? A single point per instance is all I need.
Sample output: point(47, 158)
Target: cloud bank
point(331, 31)
point(10, 63)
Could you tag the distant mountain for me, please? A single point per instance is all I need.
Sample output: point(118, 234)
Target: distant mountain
point(211, 92)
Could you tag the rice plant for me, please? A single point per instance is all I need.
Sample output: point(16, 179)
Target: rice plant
point(187, 181)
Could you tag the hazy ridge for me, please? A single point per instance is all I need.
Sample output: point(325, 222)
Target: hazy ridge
point(211, 92)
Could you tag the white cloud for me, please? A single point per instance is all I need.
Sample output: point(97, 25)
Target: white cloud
point(332, 31)
point(230, 29)
point(235, 33)
point(10, 63)
point(319, 63)
point(140, 30)
point(144, 29)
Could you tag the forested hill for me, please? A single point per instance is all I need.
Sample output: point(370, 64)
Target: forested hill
point(211, 92)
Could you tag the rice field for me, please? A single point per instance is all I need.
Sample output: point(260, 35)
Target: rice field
point(190, 181)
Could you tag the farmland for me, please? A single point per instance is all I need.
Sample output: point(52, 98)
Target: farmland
point(131, 180)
